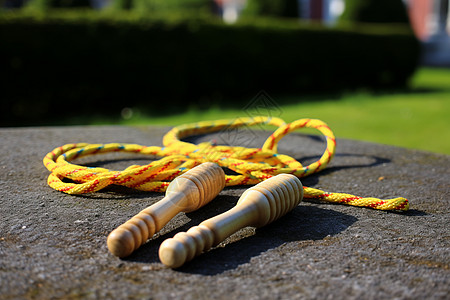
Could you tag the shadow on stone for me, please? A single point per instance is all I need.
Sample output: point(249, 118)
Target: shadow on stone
point(365, 161)
point(304, 223)
point(148, 253)
point(413, 213)
point(117, 192)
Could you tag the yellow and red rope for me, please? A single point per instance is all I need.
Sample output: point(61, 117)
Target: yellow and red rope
point(252, 165)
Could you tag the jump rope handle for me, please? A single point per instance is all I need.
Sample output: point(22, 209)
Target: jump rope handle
point(185, 193)
point(258, 206)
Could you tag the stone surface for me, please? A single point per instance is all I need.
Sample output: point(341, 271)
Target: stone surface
point(53, 245)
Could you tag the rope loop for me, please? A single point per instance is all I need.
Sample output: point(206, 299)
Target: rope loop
point(252, 165)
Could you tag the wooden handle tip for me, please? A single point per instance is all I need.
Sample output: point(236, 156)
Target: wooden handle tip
point(172, 253)
point(120, 242)
point(186, 193)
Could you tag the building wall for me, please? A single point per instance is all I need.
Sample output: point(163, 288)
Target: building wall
point(420, 16)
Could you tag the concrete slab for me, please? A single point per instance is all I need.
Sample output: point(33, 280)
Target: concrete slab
point(53, 245)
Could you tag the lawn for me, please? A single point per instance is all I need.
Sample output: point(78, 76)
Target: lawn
point(415, 118)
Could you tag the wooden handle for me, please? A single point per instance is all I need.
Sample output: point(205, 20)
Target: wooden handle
point(258, 206)
point(185, 193)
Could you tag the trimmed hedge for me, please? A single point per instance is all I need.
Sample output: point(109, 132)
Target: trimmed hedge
point(163, 6)
point(48, 4)
point(375, 11)
point(270, 8)
point(62, 65)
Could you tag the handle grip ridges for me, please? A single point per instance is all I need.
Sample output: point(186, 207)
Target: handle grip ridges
point(258, 206)
point(185, 193)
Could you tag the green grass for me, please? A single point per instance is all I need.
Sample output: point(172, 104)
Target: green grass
point(416, 118)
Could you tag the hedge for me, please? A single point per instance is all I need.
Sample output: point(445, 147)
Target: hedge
point(375, 11)
point(279, 8)
point(47, 4)
point(60, 65)
point(143, 6)
point(155, 6)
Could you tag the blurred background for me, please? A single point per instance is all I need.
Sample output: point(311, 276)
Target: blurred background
point(375, 70)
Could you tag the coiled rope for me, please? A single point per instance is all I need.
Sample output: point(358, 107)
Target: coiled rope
point(252, 165)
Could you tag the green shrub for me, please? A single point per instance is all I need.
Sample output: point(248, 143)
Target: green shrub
point(171, 5)
point(57, 65)
point(162, 8)
point(375, 11)
point(120, 5)
point(48, 4)
point(270, 8)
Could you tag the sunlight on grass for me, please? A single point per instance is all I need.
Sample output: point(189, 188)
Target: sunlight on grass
point(416, 119)
point(390, 119)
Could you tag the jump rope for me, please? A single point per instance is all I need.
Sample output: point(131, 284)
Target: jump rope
point(192, 175)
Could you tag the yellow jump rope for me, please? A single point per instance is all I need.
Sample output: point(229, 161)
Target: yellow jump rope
point(253, 165)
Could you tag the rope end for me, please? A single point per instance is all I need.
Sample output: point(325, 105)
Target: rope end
point(396, 204)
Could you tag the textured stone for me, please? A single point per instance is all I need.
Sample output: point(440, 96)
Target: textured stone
point(53, 245)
